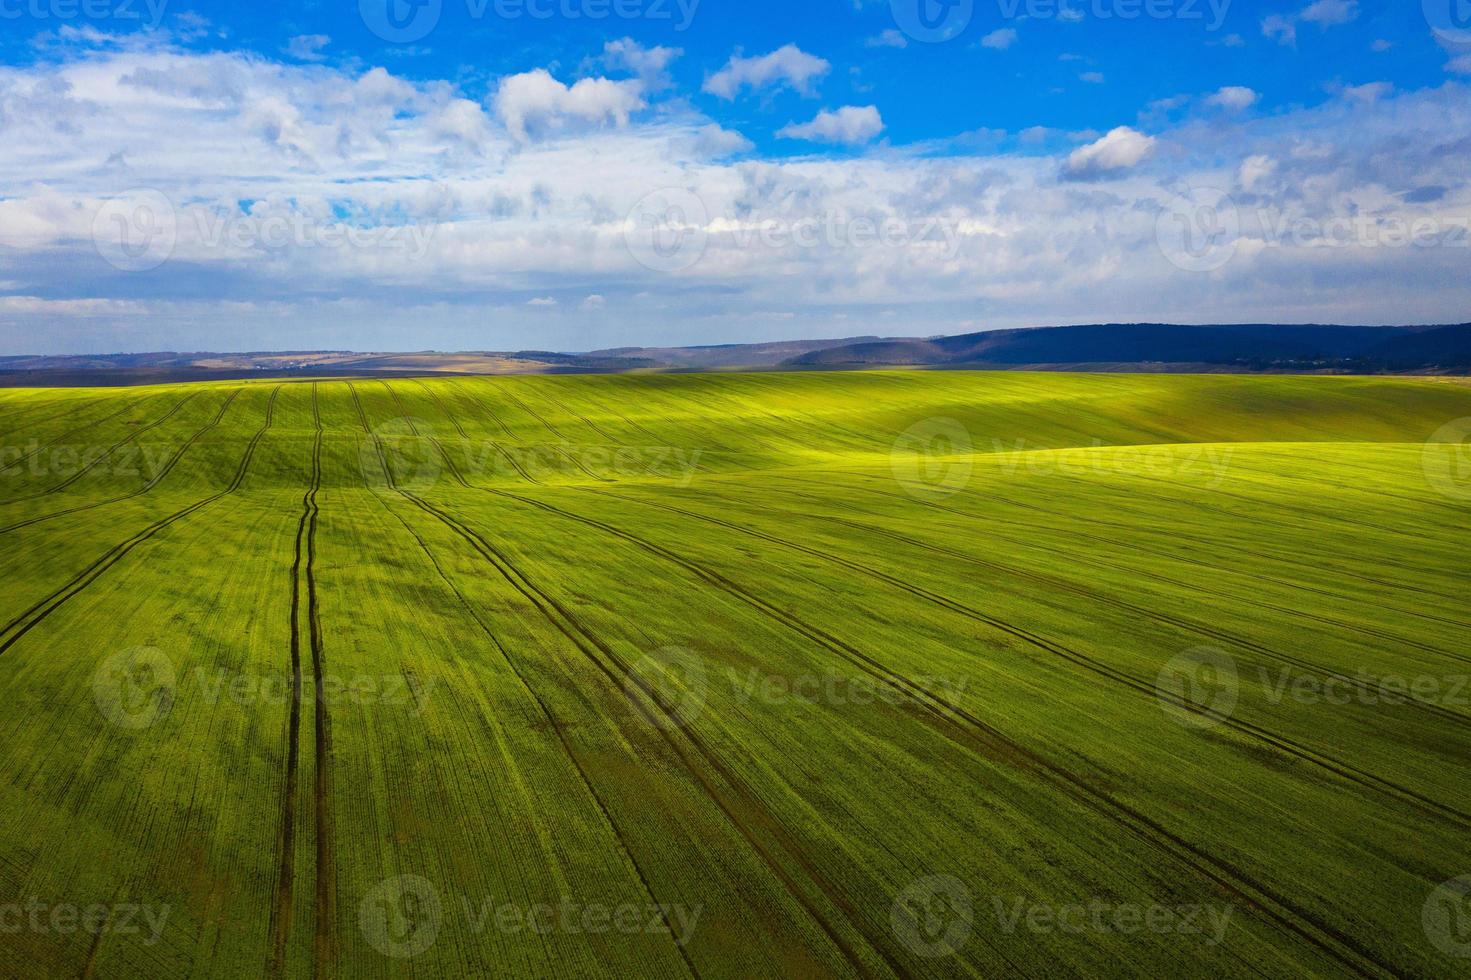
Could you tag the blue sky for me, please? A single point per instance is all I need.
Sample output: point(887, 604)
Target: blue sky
point(573, 174)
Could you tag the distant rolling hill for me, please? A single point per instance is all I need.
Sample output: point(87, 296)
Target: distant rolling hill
point(1119, 347)
point(1155, 345)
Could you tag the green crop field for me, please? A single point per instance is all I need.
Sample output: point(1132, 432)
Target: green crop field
point(869, 674)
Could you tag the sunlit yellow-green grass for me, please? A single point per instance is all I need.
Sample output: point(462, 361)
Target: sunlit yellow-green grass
point(871, 674)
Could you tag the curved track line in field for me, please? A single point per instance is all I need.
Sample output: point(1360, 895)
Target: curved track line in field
point(558, 447)
point(632, 424)
point(1343, 770)
point(363, 418)
point(1316, 515)
point(992, 525)
point(602, 656)
point(30, 416)
point(1297, 612)
point(516, 465)
point(324, 941)
point(37, 613)
point(158, 478)
point(1277, 559)
point(281, 912)
point(59, 439)
point(449, 462)
point(443, 409)
point(1341, 946)
point(588, 644)
point(580, 465)
point(414, 429)
point(567, 408)
point(480, 404)
point(1370, 492)
point(530, 411)
point(556, 727)
point(398, 403)
point(992, 491)
point(111, 450)
point(1103, 598)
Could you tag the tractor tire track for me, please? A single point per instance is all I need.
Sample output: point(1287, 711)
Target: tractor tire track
point(1064, 585)
point(17, 628)
point(480, 404)
point(281, 912)
point(58, 440)
point(158, 478)
point(505, 453)
point(621, 674)
point(1240, 549)
point(534, 414)
point(1364, 685)
point(113, 449)
point(516, 465)
point(1282, 743)
point(567, 409)
point(324, 941)
point(1298, 612)
point(444, 410)
point(590, 647)
point(969, 730)
point(562, 739)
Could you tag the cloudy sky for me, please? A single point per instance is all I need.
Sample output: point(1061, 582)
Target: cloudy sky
point(579, 174)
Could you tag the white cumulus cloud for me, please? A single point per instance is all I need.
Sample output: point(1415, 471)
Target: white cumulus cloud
point(534, 100)
point(1121, 149)
point(1000, 39)
point(307, 47)
point(651, 65)
point(850, 124)
point(1233, 97)
point(788, 65)
point(888, 39)
point(1330, 13)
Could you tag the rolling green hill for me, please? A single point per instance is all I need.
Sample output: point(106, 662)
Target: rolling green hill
point(868, 674)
